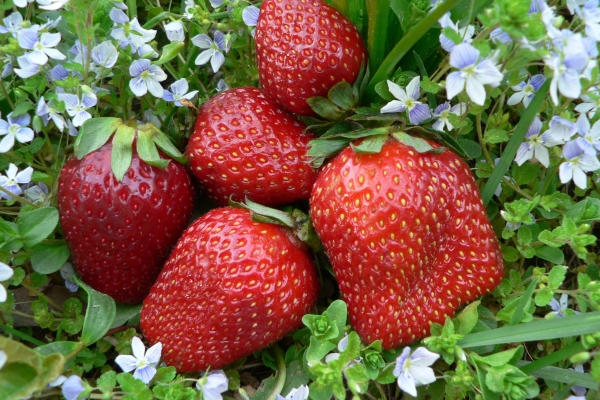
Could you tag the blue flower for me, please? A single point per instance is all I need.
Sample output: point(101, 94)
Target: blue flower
point(146, 77)
point(144, 362)
point(15, 128)
point(3, 357)
point(533, 146)
point(174, 31)
point(73, 387)
point(250, 16)
point(216, 3)
point(7, 67)
point(213, 54)
point(59, 73)
point(466, 33)
point(300, 393)
point(6, 273)
point(526, 91)
point(27, 68)
point(212, 385)
point(590, 14)
point(413, 369)
point(474, 73)
point(14, 179)
point(105, 55)
point(568, 65)
point(559, 308)
point(590, 104)
point(589, 139)
point(499, 36)
point(77, 107)
point(37, 193)
point(441, 113)
point(221, 85)
point(408, 100)
point(577, 165)
point(67, 272)
point(179, 89)
point(560, 131)
point(41, 47)
point(12, 24)
point(47, 112)
point(131, 34)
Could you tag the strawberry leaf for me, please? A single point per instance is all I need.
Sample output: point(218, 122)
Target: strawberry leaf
point(163, 143)
point(325, 108)
point(146, 149)
point(321, 149)
point(122, 152)
point(420, 145)
point(371, 145)
point(341, 95)
point(94, 133)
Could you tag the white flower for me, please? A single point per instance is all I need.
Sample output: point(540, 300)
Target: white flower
point(146, 77)
point(526, 91)
point(6, 273)
point(52, 5)
point(590, 14)
point(3, 359)
point(212, 385)
point(300, 393)
point(132, 34)
point(568, 64)
point(13, 24)
point(37, 193)
point(41, 47)
point(27, 67)
point(179, 89)
point(12, 180)
point(221, 85)
point(105, 55)
point(73, 387)
point(474, 73)
point(577, 165)
point(190, 5)
point(15, 128)
point(250, 16)
point(590, 104)
point(560, 307)
point(533, 146)
point(144, 362)
point(413, 369)
point(47, 112)
point(408, 100)
point(77, 107)
point(214, 53)
point(174, 31)
point(22, 3)
point(442, 111)
point(589, 140)
point(560, 131)
point(466, 33)
point(67, 271)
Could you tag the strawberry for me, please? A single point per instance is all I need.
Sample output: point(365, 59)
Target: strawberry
point(121, 232)
point(246, 145)
point(303, 48)
point(231, 287)
point(408, 238)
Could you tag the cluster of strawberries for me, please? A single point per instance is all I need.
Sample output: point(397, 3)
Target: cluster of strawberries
point(406, 232)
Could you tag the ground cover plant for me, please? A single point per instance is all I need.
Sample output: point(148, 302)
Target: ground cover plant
point(433, 167)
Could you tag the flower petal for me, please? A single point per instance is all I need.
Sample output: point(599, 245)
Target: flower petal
point(216, 61)
point(153, 353)
point(406, 382)
point(419, 113)
point(138, 86)
point(455, 84)
point(145, 373)
point(396, 91)
point(126, 362)
point(202, 41)
point(422, 375)
point(463, 55)
point(7, 143)
point(137, 348)
point(475, 91)
point(423, 357)
point(204, 57)
point(393, 107)
point(6, 272)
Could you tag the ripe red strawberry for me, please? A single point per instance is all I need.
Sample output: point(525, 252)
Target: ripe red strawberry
point(231, 287)
point(120, 233)
point(408, 238)
point(303, 48)
point(246, 145)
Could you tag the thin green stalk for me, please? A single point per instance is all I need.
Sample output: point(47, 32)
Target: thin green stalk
point(72, 354)
point(48, 299)
point(407, 42)
point(21, 335)
point(380, 390)
point(5, 93)
point(378, 12)
point(281, 372)
point(17, 198)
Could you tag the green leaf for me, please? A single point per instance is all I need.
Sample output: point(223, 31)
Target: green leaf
point(321, 149)
point(108, 381)
point(146, 149)
point(279, 217)
point(505, 357)
point(383, 90)
point(163, 143)
point(49, 257)
point(342, 96)
point(556, 276)
point(535, 331)
point(563, 375)
point(16, 380)
point(169, 52)
point(36, 225)
point(124, 313)
point(467, 318)
point(420, 145)
point(495, 136)
point(586, 211)
point(325, 108)
point(165, 374)
point(122, 152)
point(99, 316)
point(552, 254)
point(515, 141)
point(63, 347)
point(295, 377)
point(524, 302)
point(370, 145)
point(129, 384)
point(94, 133)
point(543, 297)
point(471, 148)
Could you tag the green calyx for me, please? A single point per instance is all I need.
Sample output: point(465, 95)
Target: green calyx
point(148, 139)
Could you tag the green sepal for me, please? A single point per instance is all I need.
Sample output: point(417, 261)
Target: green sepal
point(374, 114)
point(325, 108)
point(169, 52)
point(146, 149)
point(94, 133)
point(122, 152)
point(342, 95)
point(322, 149)
point(163, 143)
point(420, 145)
point(305, 230)
point(265, 214)
point(371, 145)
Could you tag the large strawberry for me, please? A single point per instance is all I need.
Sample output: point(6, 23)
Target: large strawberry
point(303, 48)
point(408, 238)
point(231, 287)
point(246, 145)
point(121, 231)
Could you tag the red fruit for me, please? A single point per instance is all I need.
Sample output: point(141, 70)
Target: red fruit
point(120, 233)
point(408, 238)
point(231, 287)
point(303, 48)
point(246, 145)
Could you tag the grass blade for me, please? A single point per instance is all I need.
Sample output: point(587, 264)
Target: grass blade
point(524, 302)
point(564, 376)
point(553, 358)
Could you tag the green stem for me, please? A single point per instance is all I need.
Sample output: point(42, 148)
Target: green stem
point(76, 351)
point(48, 299)
point(281, 372)
point(553, 358)
point(17, 198)
point(21, 335)
point(405, 45)
point(5, 93)
point(378, 12)
point(381, 391)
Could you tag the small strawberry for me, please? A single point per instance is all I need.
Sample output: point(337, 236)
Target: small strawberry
point(231, 287)
point(408, 238)
point(303, 48)
point(246, 145)
point(120, 230)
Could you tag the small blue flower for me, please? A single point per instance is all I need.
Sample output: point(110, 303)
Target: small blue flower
point(73, 387)
point(146, 77)
point(526, 91)
point(131, 34)
point(413, 369)
point(590, 104)
point(466, 33)
point(37, 194)
point(250, 16)
point(67, 272)
point(408, 100)
point(590, 14)
point(221, 85)
point(77, 107)
point(59, 73)
point(27, 68)
point(12, 24)
point(179, 89)
point(118, 16)
point(560, 307)
point(213, 54)
point(499, 36)
point(216, 3)
point(568, 64)
point(14, 179)
point(41, 47)
point(212, 385)
point(15, 128)
point(175, 32)
point(142, 361)
point(47, 112)
point(441, 113)
point(474, 73)
point(589, 139)
point(6, 273)
point(577, 165)
point(560, 131)
point(299, 393)
point(533, 146)
point(105, 55)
